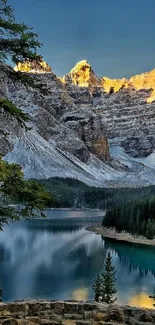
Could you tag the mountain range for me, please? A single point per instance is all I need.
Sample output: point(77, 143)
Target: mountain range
point(95, 129)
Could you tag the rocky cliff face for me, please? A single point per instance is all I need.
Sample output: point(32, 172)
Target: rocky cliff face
point(33, 66)
point(95, 129)
point(142, 81)
point(125, 106)
point(82, 75)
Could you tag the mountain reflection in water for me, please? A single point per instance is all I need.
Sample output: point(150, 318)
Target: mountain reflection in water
point(57, 258)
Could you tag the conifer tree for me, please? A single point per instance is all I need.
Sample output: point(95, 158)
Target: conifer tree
point(108, 289)
point(1, 294)
point(137, 225)
point(97, 288)
point(131, 219)
point(143, 228)
point(150, 229)
point(18, 42)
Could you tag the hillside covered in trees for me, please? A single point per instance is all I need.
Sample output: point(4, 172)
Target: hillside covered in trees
point(71, 193)
point(128, 209)
point(136, 217)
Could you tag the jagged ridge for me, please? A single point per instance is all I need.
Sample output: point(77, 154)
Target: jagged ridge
point(76, 122)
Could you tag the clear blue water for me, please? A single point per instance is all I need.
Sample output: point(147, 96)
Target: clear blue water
point(56, 258)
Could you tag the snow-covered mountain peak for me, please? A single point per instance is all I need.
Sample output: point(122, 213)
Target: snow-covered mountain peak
point(39, 66)
point(98, 130)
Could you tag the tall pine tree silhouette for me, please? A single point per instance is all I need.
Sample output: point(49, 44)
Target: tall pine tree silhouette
point(97, 288)
point(104, 285)
point(1, 294)
point(108, 289)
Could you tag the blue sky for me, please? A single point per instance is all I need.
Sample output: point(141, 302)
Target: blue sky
point(117, 37)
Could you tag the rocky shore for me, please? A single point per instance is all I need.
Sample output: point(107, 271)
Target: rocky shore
point(72, 313)
point(121, 236)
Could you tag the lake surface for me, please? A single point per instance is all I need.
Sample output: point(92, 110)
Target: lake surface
point(56, 258)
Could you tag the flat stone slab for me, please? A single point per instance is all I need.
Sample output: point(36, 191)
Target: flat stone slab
point(72, 313)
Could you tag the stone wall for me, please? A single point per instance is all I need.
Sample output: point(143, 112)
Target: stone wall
point(72, 313)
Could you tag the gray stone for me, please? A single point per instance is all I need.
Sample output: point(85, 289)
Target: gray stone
point(10, 321)
point(83, 322)
point(78, 118)
point(34, 308)
point(89, 306)
point(79, 313)
point(70, 307)
point(73, 316)
point(35, 320)
point(80, 307)
point(48, 322)
point(145, 316)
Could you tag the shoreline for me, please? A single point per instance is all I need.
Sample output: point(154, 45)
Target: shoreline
point(122, 236)
point(73, 209)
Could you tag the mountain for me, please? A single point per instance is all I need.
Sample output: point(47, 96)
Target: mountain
point(39, 66)
point(95, 129)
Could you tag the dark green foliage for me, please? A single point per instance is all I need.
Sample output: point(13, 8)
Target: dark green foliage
point(104, 286)
point(97, 288)
point(30, 195)
point(128, 209)
point(71, 193)
point(136, 217)
point(17, 40)
point(108, 289)
point(68, 193)
point(19, 43)
point(8, 109)
point(1, 294)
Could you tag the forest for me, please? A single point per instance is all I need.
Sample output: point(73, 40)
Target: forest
point(127, 209)
point(136, 217)
point(71, 193)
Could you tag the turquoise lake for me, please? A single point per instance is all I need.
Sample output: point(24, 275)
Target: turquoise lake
point(56, 258)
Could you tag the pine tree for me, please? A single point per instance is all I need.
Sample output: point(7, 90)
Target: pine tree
point(150, 229)
point(18, 42)
point(1, 294)
point(143, 228)
point(97, 288)
point(131, 219)
point(137, 226)
point(108, 289)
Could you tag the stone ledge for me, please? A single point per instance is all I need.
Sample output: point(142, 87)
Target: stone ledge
point(72, 313)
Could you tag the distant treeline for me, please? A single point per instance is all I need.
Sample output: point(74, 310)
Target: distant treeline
point(129, 209)
point(136, 217)
point(71, 193)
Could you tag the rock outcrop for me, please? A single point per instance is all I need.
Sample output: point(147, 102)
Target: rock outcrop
point(39, 66)
point(82, 75)
point(90, 129)
point(72, 313)
point(52, 148)
point(126, 107)
point(100, 130)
